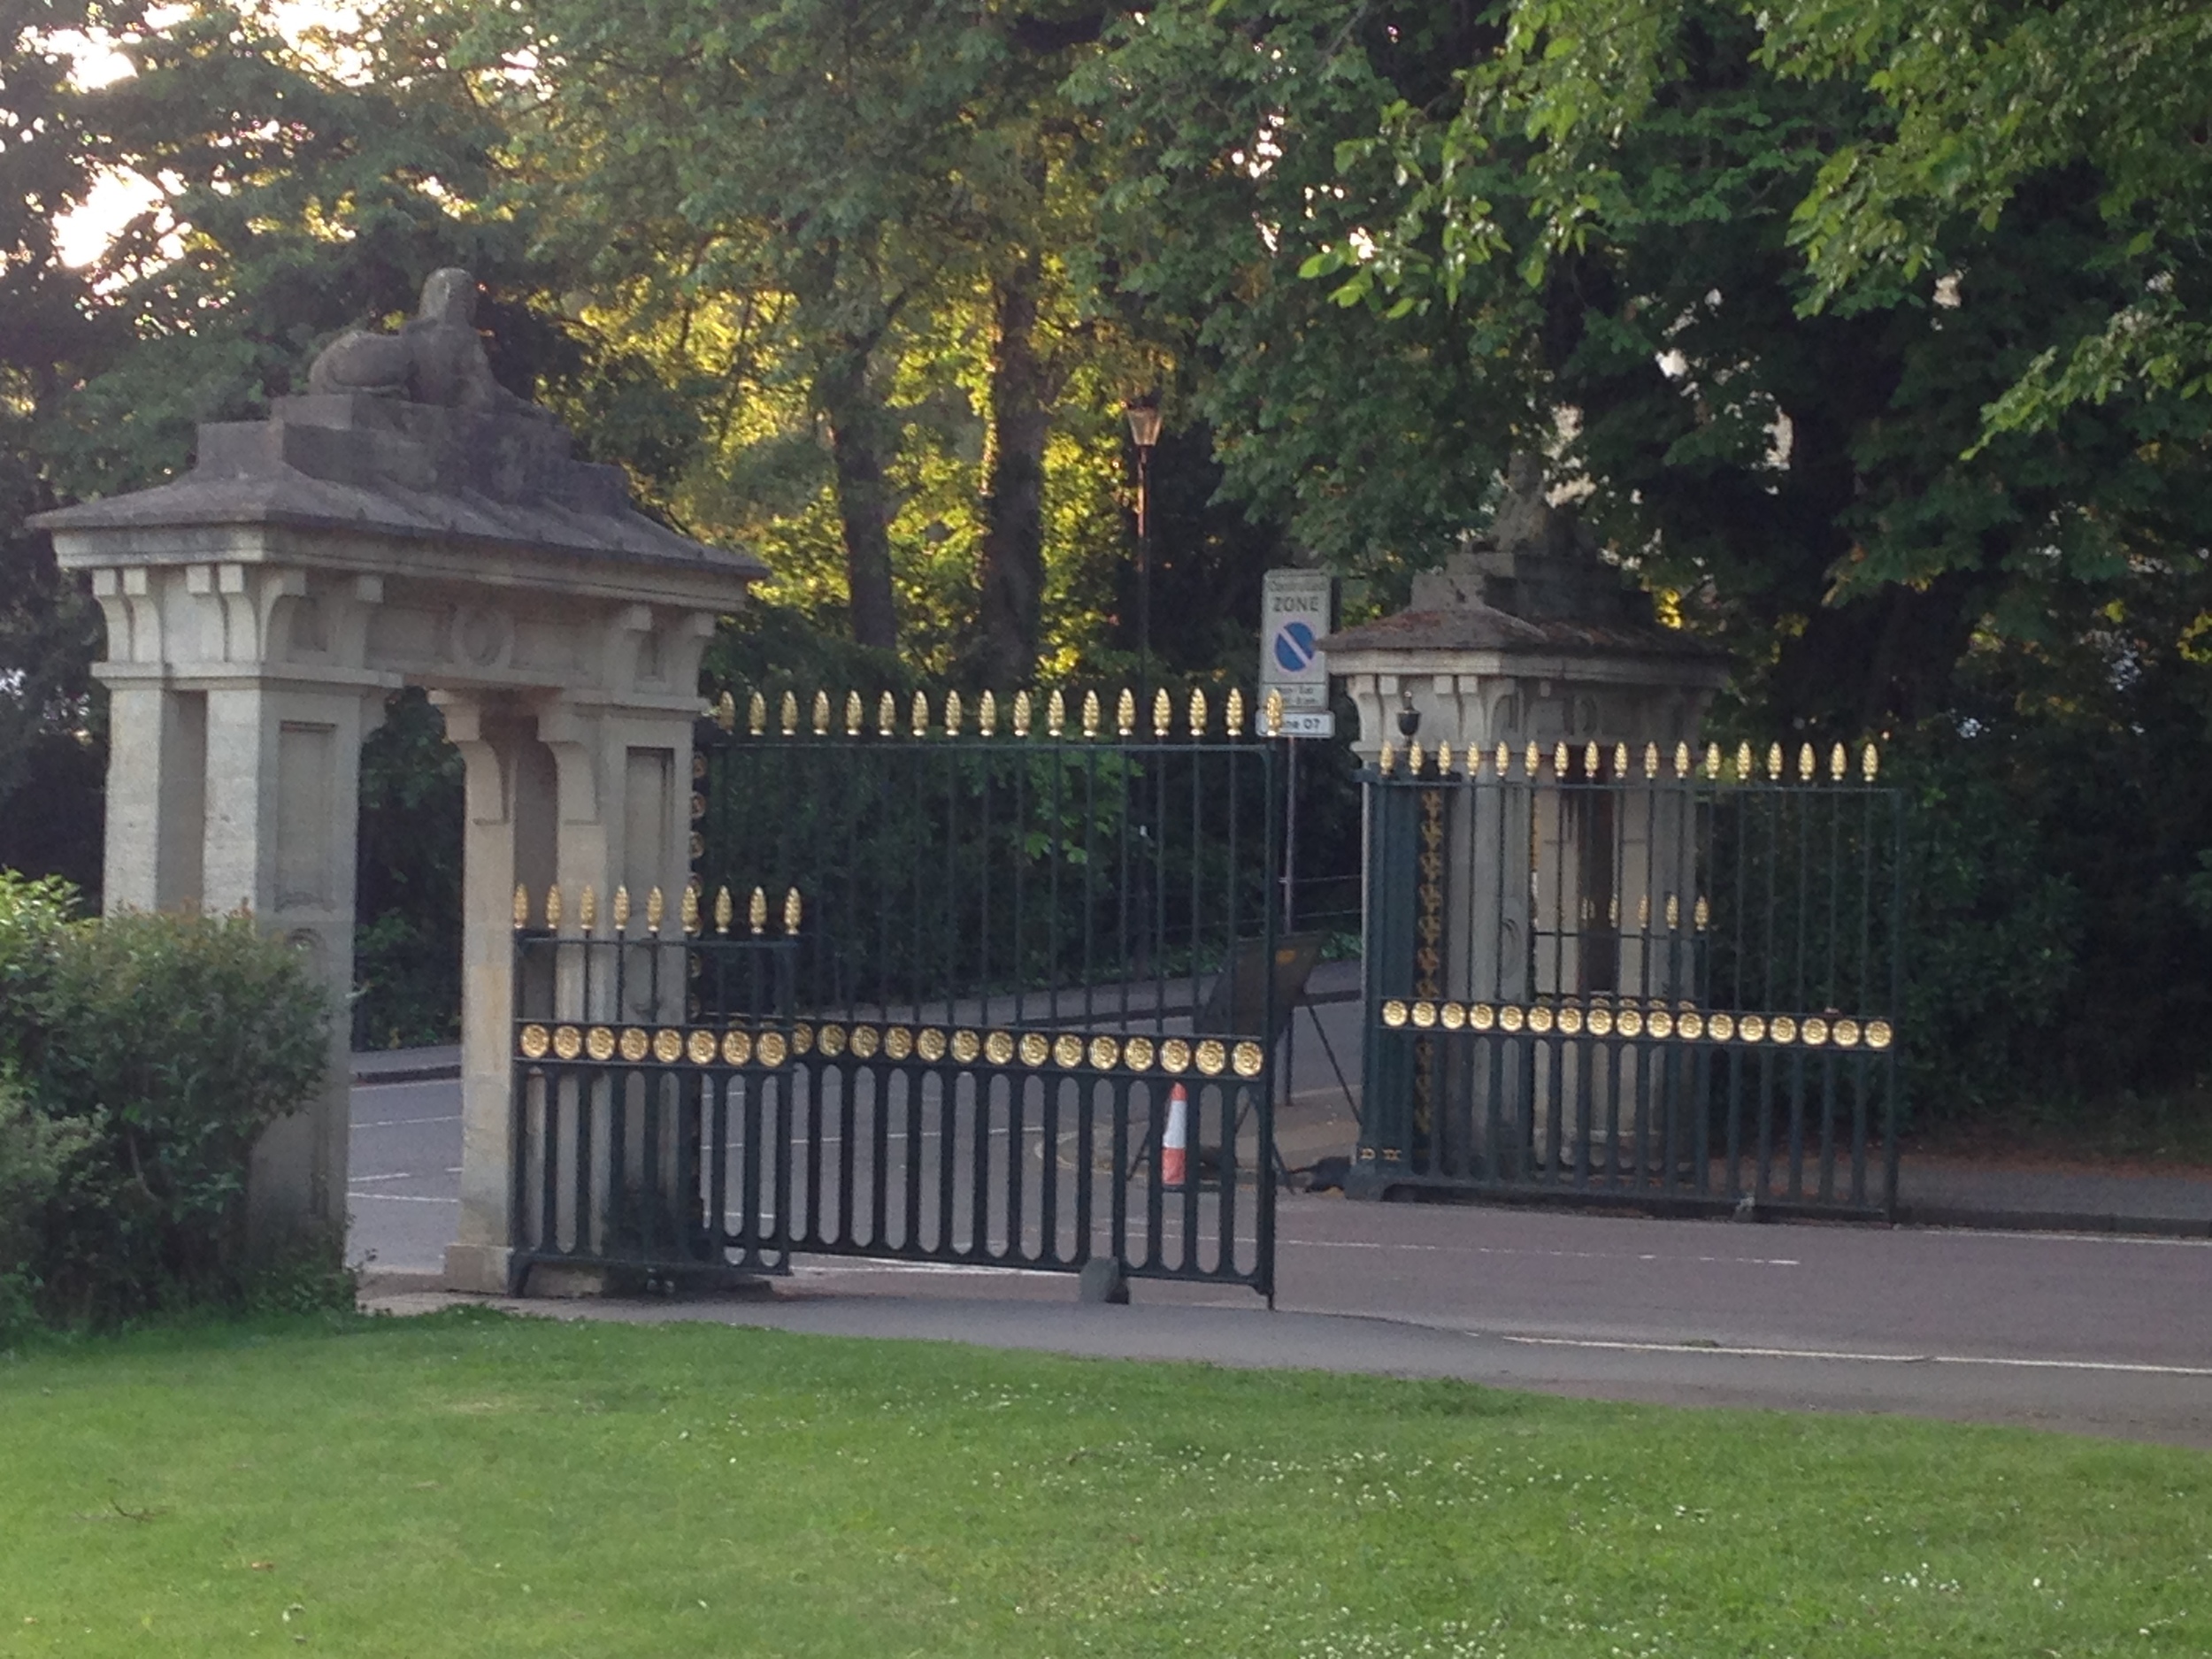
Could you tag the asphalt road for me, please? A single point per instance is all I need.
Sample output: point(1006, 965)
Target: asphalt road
point(2092, 1334)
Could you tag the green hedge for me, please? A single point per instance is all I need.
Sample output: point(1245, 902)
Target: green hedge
point(140, 1056)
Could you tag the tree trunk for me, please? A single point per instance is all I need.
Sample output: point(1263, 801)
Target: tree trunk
point(1013, 575)
point(859, 438)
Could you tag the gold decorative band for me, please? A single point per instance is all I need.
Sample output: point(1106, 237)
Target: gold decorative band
point(1031, 1050)
point(1810, 1031)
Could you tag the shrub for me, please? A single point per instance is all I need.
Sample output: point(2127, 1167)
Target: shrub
point(163, 1045)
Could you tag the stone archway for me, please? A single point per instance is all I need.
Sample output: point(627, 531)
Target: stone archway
point(261, 607)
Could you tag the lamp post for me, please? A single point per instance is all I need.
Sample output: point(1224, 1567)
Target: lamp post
point(1144, 432)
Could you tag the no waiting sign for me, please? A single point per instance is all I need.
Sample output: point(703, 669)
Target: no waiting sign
point(1297, 609)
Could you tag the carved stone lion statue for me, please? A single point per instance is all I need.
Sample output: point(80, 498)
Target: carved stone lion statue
point(436, 357)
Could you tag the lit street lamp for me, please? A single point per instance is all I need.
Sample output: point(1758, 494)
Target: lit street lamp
point(1144, 431)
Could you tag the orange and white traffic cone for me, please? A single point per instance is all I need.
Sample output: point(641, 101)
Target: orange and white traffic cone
point(1175, 1141)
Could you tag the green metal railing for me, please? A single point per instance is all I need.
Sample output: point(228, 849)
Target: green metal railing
point(1597, 976)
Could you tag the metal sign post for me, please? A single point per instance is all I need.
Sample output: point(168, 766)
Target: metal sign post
point(1297, 610)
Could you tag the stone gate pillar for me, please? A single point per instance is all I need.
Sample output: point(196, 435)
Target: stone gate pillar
point(406, 523)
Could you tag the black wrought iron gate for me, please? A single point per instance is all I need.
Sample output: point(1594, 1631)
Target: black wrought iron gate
point(950, 983)
point(1633, 980)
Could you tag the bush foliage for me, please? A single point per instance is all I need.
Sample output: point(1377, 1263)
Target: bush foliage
point(140, 1056)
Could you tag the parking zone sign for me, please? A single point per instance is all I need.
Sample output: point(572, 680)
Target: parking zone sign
point(1297, 609)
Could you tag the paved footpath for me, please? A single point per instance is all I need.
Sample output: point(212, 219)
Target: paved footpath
point(2099, 1333)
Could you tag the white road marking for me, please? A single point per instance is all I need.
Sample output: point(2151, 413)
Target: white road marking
point(405, 1198)
point(405, 1123)
point(356, 1180)
point(1874, 1359)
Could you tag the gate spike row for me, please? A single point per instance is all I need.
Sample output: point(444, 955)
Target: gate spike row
point(821, 714)
point(655, 912)
point(756, 715)
point(919, 714)
point(1273, 711)
point(687, 913)
point(522, 905)
point(1125, 713)
point(987, 715)
point(621, 908)
point(1836, 764)
point(756, 912)
point(1386, 762)
point(1743, 763)
point(1163, 713)
point(1090, 714)
point(886, 715)
point(1805, 763)
point(1651, 760)
point(1870, 762)
point(1681, 760)
point(791, 911)
point(553, 908)
point(1197, 711)
point(1021, 714)
point(724, 910)
point(1774, 763)
point(588, 909)
point(952, 714)
point(726, 712)
point(790, 712)
point(1234, 713)
point(1055, 714)
point(856, 716)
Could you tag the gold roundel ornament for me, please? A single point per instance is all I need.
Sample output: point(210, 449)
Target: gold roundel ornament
point(1453, 1016)
point(965, 1046)
point(634, 1043)
point(568, 1042)
point(1139, 1053)
point(1784, 1028)
point(1424, 1015)
point(1571, 1021)
point(1754, 1028)
point(1511, 1019)
point(1879, 1034)
point(702, 1046)
point(1846, 1033)
point(1661, 1023)
point(1104, 1052)
point(1482, 1016)
point(1600, 1022)
point(998, 1047)
point(865, 1041)
point(1211, 1057)
point(1723, 1027)
point(1631, 1022)
point(668, 1046)
point(774, 1049)
point(1815, 1032)
point(1034, 1049)
point(829, 1042)
point(535, 1041)
point(737, 1047)
point(1393, 1013)
point(898, 1042)
point(1248, 1059)
point(930, 1044)
point(1174, 1055)
point(1539, 1018)
point(802, 1038)
point(1067, 1049)
point(599, 1043)
point(1691, 1026)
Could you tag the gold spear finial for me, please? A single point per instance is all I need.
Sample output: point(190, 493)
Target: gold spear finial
point(1163, 713)
point(1712, 760)
point(1591, 763)
point(987, 715)
point(920, 714)
point(1774, 763)
point(1838, 763)
point(522, 905)
point(687, 912)
point(726, 712)
point(1620, 761)
point(1125, 713)
point(1651, 760)
point(1559, 760)
point(1805, 763)
point(821, 714)
point(1198, 711)
point(952, 714)
point(725, 910)
point(553, 907)
point(1744, 775)
point(588, 909)
point(756, 715)
point(1681, 760)
point(790, 712)
point(1386, 762)
point(791, 911)
point(1444, 760)
point(1533, 758)
point(1090, 714)
point(1235, 714)
point(1415, 758)
point(1870, 762)
point(1504, 757)
point(1021, 714)
point(756, 912)
point(856, 716)
point(887, 715)
point(621, 908)
point(655, 912)
point(1271, 712)
point(1055, 714)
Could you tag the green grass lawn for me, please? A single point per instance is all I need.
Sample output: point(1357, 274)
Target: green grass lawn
point(468, 1484)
